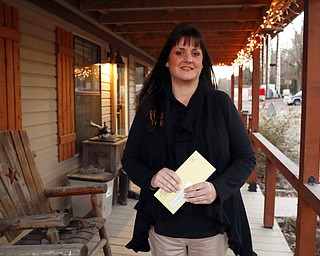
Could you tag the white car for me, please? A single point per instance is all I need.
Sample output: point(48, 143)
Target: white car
point(293, 99)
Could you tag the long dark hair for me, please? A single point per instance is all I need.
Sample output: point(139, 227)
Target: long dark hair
point(151, 93)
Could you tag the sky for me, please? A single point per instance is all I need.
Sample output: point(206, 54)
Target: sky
point(288, 32)
point(285, 42)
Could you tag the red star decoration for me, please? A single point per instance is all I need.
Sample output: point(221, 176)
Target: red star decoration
point(11, 175)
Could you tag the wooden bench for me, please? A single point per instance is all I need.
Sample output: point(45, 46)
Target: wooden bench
point(24, 205)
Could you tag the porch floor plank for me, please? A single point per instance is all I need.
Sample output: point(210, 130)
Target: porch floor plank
point(266, 242)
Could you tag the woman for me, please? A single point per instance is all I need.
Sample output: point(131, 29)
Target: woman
point(179, 110)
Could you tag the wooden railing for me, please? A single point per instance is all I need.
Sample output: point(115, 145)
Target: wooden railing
point(276, 160)
point(308, 194)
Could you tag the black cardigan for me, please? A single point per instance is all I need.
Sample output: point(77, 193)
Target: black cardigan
point(215, 129)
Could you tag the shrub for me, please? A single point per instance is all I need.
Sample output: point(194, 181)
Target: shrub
point(281, 131)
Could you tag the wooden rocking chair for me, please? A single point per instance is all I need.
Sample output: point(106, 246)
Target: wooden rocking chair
point(24, 205)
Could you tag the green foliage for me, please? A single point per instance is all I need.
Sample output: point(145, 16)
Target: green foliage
point(275, 130)
point(281, 131)
point(247, 76)
point(287, 223)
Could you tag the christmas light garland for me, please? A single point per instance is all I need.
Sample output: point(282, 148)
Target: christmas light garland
point(273, 22)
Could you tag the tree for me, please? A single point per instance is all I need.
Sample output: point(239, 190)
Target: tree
point(291, 62)
point(247, 76)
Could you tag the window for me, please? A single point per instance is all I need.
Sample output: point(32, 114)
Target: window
point(140, 76)
point(87, 89)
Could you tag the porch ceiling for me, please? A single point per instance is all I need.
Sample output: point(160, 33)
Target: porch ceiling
point(225, 24)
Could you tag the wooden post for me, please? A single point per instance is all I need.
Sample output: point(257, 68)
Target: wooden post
point(310, 128)
point(270, 194)
point(254, 122)
point(267, 67)
point(240, 86)
point(232, 87)
point(244, 115)
point(102, 231)
point(255, 90)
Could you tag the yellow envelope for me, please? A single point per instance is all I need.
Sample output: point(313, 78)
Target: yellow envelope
point(194, 170)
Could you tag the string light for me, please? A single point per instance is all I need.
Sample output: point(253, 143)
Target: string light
point(84, 72)
point(222, 65)
point(245, 55)
point(273, 22)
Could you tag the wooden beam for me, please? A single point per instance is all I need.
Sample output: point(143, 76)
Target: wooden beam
point(60, 11)
point(159, 42)
point(89, 5)
point(229, 52)
point(207, 35)
point(211, 47)
point(310, 129)
point(232, 87)
point(50, 220)
point(254, 124)
point(255, 90)
point(311, 194)
point(240, 86)
point(181, 16)
point(248, 26)
point(223, 48)
point(76, 190)
point(222, 56)
point(270, 194)
point(288, 168)
point(226, 58)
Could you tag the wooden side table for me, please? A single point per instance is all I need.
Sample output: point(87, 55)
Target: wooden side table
point(105, 153)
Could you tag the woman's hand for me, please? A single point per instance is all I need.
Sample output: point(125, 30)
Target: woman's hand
point(200, 193)
point(166, 179)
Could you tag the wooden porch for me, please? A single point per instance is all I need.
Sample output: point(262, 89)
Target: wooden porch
point(265, 241)
point(38, 70)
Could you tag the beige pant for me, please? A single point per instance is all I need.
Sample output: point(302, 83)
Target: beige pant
point(169, 246)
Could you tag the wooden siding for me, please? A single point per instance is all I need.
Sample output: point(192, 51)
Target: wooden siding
point(38, 81)
point(132, 89)
point(113, 97)
point(39, 94)
point(106, 79)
